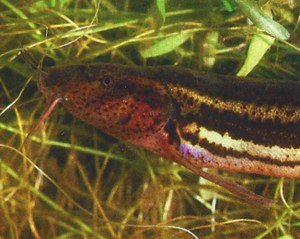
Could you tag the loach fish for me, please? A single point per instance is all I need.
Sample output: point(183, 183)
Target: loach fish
point(196, 119)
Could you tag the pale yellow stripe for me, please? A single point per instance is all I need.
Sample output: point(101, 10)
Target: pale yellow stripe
point(256, 150)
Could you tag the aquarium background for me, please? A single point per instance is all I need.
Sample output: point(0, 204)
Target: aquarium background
point(69, 180)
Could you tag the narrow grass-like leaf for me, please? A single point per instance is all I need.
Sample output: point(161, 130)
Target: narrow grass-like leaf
point(166, 45)
point(286, 237)
point(259, 45)
point(228, 4)
point(262, 20)
point(161, 7)
point(158, 13)
point(80, 223)
point(22, 15)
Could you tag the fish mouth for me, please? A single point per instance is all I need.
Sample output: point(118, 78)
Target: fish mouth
point(50, 91)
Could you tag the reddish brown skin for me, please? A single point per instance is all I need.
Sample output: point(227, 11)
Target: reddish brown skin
point(137, 117)
point(127, 104)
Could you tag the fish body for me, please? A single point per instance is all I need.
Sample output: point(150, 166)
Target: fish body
point(197, 119)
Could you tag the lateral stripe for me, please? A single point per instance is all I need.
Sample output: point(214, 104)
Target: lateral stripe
point(212, 143)
point(284, 114)
point(265, 132)
point(226, 141)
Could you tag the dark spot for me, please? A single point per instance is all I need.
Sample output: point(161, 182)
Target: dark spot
point(289, 113)
point(178, 93)
point(156, 120)
point(173, 137)
point(126, 119)
point(132, 111)
point(276, 119)
point(190, 101)
point(185, 96)
point(193, 138)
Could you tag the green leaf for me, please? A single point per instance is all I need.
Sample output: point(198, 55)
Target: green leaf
point(259, 45)
point(161, 7)
point(286, 237)
point(166, 45)
point(262, 20)
point(158, 13)
point(228, 4)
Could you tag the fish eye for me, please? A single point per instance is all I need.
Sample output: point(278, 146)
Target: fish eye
point(107, 81)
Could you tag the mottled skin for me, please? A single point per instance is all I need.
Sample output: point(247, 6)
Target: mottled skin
point(162, 108)
point(119, 103)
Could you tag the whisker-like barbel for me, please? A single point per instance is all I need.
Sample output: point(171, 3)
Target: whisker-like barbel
point(195, 119)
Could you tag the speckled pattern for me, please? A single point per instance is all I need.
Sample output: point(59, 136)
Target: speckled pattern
point(196, 119)
point(128, 108)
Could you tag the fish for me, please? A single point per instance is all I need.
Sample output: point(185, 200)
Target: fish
point(196, 119)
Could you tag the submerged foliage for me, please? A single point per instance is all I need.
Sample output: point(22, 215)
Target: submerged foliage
point(69, 180)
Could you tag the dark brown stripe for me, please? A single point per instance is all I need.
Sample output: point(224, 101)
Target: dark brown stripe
point(223, 152)
point(260, 91)
point(250, 90)
point(267, 133)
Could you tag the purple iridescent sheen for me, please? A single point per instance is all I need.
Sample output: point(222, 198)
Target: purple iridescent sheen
point(195, 151)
